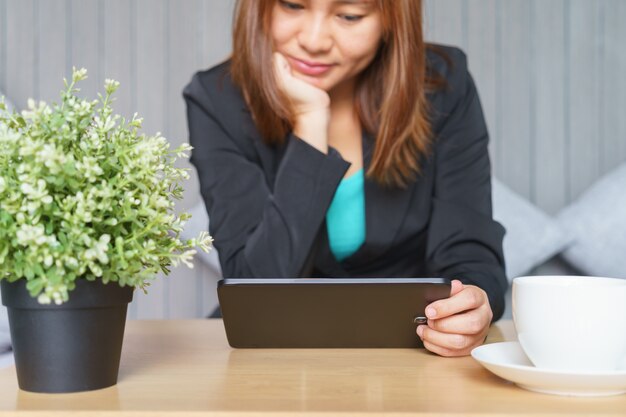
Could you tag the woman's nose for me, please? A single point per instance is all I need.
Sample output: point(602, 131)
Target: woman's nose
point(315, 36)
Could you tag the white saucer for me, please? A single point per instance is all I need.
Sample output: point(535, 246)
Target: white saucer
point(508, 361)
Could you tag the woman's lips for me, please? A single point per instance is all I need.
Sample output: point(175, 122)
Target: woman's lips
point(309, 68)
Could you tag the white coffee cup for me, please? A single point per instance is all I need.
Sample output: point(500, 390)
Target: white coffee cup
point(571, 323)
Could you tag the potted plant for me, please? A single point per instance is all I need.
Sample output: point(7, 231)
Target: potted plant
point(86, 216)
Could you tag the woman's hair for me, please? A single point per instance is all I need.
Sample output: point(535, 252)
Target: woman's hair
point(390, 94)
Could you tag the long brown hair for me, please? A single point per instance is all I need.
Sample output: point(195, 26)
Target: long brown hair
point(390, 94)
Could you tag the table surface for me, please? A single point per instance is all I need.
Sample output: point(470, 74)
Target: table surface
point(187, 368)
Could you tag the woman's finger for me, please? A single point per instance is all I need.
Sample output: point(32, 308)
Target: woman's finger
point(280, 67)
point(456, 287)
point(441, 351)
point(446, 344)
point(469, 323)
point(469, 298)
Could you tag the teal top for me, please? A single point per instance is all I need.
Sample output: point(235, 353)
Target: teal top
point(345, 218)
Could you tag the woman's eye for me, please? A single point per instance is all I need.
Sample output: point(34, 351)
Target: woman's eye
point(290, 5)
point(350, 17)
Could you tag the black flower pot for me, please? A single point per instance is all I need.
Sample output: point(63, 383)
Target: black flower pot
point(75, 346)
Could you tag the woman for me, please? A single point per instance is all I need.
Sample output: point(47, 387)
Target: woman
point(335, 143)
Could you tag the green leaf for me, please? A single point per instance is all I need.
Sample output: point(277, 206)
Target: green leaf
point(28, 272)
point(38, 270)
point(35, 286)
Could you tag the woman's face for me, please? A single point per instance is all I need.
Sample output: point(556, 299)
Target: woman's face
point(327, 42)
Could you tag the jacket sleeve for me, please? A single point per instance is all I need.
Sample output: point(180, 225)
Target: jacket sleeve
point(258, 231)
point(464, 242)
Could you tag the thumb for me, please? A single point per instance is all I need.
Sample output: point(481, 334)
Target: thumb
point(456, 287)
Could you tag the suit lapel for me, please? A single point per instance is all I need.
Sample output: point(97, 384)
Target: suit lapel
point(385, 212)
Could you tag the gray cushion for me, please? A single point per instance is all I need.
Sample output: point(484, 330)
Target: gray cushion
point(532, 237)
point(598, 222)
point(6, 359)
point(5, 339)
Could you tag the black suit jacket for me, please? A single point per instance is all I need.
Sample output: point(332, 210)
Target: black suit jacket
point(267, 205)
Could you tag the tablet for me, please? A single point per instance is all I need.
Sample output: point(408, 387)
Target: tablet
point(327, 312)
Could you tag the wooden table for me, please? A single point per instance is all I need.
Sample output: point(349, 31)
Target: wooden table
point(187, 368)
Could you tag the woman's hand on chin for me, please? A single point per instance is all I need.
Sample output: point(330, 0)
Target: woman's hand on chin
point(305, 97)
point(311, 105)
